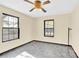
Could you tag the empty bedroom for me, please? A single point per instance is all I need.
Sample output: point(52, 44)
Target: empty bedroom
point(39, 28)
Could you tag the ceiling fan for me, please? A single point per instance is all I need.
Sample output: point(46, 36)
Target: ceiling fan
point(38, 4)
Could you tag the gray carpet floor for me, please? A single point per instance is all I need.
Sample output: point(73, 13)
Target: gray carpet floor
point(42, 50)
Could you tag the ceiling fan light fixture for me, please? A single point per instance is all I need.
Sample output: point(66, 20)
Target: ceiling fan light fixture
point(38, 5)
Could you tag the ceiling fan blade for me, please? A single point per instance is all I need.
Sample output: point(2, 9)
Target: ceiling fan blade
point(29, 1)
point(43, 10)
point(31, 9)
point(46, 2)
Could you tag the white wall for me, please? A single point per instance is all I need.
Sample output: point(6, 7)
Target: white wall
point(61, 29)
point(75, 30)
point(25, 29)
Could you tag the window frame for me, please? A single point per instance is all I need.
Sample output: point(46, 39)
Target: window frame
point(18, 28)
point(48, 28)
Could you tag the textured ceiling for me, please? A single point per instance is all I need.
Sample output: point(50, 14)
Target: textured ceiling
point(56, 7)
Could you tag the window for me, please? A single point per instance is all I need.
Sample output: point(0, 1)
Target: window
point(10, 28)
point(49, 28)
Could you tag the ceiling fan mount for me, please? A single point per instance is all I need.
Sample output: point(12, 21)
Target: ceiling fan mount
point(38, 5)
